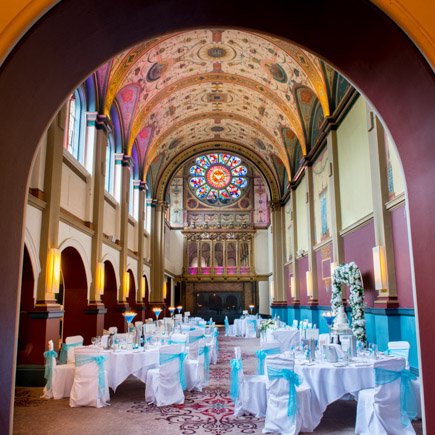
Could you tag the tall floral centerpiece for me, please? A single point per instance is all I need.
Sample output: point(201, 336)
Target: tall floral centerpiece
point(349, 274)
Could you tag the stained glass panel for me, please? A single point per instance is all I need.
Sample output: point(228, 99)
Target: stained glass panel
point(218, 178)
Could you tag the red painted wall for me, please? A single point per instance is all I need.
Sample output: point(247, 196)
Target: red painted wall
point(401, 257)
point(358, 246)
point(302, 267)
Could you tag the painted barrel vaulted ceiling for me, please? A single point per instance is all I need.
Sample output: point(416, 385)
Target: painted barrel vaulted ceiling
point(259, 92)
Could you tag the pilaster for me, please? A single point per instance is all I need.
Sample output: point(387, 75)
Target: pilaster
point(294, 243)
point(387, 296)
point(312, 266)
point(278, 225)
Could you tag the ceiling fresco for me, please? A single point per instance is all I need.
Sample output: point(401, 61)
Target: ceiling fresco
point(255, 90)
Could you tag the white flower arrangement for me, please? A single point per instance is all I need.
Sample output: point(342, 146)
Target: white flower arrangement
point(349, 274)
point(266, 324)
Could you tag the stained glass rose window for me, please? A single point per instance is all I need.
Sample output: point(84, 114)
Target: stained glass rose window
point(218, 178)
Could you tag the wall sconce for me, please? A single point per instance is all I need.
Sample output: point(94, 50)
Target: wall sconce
point(99, 286)
point(309, 278)
point(293, 287)
point(142, 287)
point(53, 271)
point(126, 284)
point(165, 290)
point(379, 268)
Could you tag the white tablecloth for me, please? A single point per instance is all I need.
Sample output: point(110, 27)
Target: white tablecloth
point(286, 337)
point(328, 382)
point(123, 363)
point(241, 326)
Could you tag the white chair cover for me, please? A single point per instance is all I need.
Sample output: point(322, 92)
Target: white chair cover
point(90, 386)
point(378, 410)
point(71, 343)
point(229, 329)
point(277, 418)
point(399, 349)
point(163, 385)
point(251, 327)
point(252, 397)
point(197, 366)
point(287, 338)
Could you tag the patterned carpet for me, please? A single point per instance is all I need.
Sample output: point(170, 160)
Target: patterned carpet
point(207, 412)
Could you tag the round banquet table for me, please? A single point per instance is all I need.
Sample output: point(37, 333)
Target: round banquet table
point(123, 363)
point(330, 382)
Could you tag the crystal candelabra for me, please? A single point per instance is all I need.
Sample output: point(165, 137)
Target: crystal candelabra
point(157, 312)
point(329, 317)
point(129, 316)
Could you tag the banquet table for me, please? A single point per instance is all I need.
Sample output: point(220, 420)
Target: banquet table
point(241, 326)
point(286, 337)
point(123, 363)
point(331, 381)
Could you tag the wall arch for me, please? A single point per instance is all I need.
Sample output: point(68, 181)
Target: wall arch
point(34, 259)
point(112, 260)
point(32, 73)
point(73, 243)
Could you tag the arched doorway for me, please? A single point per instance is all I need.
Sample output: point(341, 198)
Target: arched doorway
point(75, 296)
point(402, 92)
point(110, 298)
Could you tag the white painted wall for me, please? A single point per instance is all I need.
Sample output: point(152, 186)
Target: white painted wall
point(354, 165)
point(262, 254)
point(75, 194)
point(173, 251)
point(132, 237)
point(110, 220)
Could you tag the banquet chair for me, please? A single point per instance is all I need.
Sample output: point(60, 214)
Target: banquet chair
point(400, 349)
point(68, 348)
point(90, 386)
point(165, 384)
point(212, 339)
point(197, 366)
point(247, 391)
point(287, 338)
point(266, 349)
point(196, 335)
point(180, 339)
point(288, 402)
point(229, 329)
point(251, 328)
point(381, 410)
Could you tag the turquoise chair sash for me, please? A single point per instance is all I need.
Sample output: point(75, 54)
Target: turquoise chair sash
point(236, 366)
point(294, 381)
point(408, 399)
point(82, 359)
point(261, 356)
point(216, 336)
point(63, 357)
point(49, 355)
point(193, 339)
point(206, 352)
point(166, 357)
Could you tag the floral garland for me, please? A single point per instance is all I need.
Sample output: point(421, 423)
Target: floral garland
point(350, 274)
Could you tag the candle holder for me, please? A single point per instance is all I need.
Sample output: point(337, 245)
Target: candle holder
point(171, 311)
point(251, 308)
point(129, 316)
point(157, 312)
point(179, 309)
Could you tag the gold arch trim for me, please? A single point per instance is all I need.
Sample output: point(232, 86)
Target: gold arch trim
point(234, 147)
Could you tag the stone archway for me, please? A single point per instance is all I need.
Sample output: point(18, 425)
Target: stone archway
point(369, 50)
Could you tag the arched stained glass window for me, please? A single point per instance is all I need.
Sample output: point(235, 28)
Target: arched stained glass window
point(218, 178)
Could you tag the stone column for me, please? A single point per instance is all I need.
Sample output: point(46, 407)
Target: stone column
point(96, 307)
point(312, 266)
point(140, 304)
point(387, 296)
point(125, 190)
point(277, 212)
point(157, 252)
point(293, 249)
point(48, 313)
point(334, 191)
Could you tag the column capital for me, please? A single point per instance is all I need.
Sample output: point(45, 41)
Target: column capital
point(275, 205)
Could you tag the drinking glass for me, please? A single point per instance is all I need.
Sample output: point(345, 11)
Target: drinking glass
point(373, 350)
